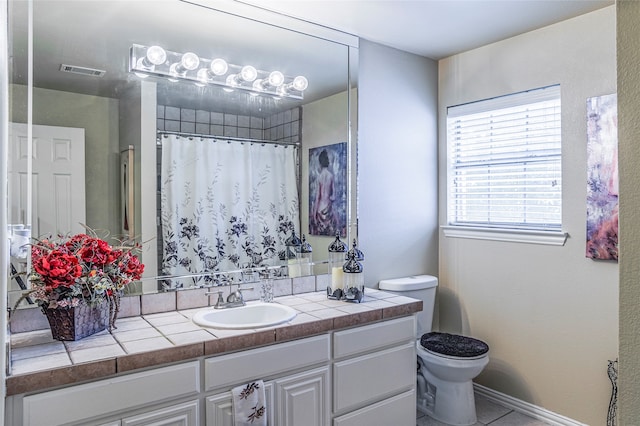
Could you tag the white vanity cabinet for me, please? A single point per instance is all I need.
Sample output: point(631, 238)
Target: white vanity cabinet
point(360, 376)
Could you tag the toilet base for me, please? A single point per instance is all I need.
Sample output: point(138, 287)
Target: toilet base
point(452, 403)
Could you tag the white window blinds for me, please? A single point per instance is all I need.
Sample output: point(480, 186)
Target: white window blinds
point(505, 162)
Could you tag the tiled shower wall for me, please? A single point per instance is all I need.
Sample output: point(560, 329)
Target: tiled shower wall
point(284, 126)
point(281, 127)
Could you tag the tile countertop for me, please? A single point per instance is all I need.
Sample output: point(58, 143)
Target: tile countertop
point(38, 362)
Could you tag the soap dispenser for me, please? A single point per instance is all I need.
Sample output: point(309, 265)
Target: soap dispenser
point(337, 251)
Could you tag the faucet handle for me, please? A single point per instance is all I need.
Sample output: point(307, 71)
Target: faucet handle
point(236, 296)
point(240, 290)
point(220, 300)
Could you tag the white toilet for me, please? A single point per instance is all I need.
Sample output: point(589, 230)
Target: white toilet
point(447, 363)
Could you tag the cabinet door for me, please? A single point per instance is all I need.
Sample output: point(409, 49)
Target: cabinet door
point(185, 414)
point(219, 408)
point(302, 399)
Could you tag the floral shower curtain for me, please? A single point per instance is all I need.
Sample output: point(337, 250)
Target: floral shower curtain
point(225, 204)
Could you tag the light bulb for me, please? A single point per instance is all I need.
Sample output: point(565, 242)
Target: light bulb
point(282, 91)
point(190, 61)
point(300, 83)
point(219, 66)
point(248, 73)
point(232, 80)
point(156, 55)
point(276, 78)
point(203, 75)
point(258, 85)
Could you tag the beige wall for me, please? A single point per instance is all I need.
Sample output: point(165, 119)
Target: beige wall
point(99, 117)
point(628, 16)
point(549, 314)
point(324, 122)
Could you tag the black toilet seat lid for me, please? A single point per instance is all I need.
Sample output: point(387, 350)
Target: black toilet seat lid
point(453, 345)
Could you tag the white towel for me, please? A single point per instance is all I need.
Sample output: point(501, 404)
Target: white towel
point(249, 407)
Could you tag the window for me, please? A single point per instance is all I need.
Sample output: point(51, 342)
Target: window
point(504, 159)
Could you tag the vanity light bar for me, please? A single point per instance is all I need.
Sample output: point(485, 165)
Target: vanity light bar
point(155, 61)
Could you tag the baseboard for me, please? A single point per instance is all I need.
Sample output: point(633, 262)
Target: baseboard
point(523, 407)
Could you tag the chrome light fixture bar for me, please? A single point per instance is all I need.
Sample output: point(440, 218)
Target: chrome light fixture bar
point(155, 61)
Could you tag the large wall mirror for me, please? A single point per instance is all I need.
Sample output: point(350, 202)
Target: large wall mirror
point(212, 168)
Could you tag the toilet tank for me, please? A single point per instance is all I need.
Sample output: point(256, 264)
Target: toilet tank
point(422, 287)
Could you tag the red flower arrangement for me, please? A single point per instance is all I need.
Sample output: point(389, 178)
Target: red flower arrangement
point(80, 268)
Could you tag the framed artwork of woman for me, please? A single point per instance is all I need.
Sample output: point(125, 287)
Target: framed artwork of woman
point(328, 190)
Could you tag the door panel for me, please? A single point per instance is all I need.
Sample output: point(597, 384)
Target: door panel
point(57, 180)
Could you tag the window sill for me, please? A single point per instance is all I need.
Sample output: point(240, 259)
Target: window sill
point(509, 235)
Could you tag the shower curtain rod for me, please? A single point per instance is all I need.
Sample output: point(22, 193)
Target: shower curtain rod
point(224, 138)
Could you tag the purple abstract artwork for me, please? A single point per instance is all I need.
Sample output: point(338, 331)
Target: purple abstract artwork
point(602, 179)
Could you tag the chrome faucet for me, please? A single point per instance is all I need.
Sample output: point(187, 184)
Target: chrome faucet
point(234, 299)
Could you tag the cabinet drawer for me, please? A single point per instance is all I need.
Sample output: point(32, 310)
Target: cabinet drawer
point(399, 410)
point(111, 395)
point(185, 414)
point(374, 336)
point(373, 377)
point(230, 370)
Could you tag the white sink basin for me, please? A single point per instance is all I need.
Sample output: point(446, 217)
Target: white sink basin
point(255, 315)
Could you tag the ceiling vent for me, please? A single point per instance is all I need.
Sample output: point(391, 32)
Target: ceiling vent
point(82, 70)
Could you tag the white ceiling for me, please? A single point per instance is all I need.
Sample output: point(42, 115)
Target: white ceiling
point(433, 28)
point(98, 34)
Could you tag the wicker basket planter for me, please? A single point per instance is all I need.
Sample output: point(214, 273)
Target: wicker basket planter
point(74, 323)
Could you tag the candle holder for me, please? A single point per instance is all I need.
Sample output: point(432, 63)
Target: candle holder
point(337, 251)
point(306, 254)
point(353, 290)
point(293, 254)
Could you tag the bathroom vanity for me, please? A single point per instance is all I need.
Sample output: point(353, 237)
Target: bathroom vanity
point(349, 365)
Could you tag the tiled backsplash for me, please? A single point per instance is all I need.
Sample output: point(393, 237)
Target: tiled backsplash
point(24, 320)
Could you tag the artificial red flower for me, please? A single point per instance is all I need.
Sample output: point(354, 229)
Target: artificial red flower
point(81, 266)
point(57, 268)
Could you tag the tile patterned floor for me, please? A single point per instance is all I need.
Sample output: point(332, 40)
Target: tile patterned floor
point(489, 413)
